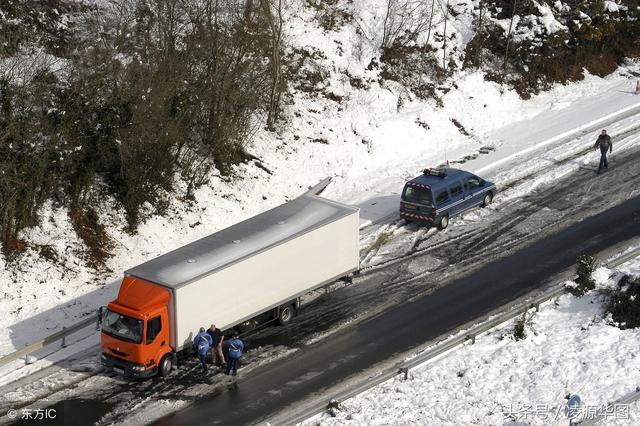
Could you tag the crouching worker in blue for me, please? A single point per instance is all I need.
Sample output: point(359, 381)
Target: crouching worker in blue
point(203, 343)
point(235, 346)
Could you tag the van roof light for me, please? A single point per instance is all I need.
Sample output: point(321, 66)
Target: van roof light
point(434, 172)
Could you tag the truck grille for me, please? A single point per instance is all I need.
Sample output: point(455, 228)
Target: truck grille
point(118, 352)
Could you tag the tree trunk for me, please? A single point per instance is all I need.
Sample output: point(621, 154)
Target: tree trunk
point(480, 35)
point(248, 8)
point(444, 35)
point(385, 24)
point(276, 67)
point(506, 51)
point(430, 21)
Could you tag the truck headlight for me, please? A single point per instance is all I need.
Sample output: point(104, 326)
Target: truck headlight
point(103, 356)
point(138, 368)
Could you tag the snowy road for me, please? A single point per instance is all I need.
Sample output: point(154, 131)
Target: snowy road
point(400, 262)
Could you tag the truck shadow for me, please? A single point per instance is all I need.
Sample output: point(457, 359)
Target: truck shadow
point(50, 321)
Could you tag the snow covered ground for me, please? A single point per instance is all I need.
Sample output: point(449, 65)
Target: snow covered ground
point(569, 349)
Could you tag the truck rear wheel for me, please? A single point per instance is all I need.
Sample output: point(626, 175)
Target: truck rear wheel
point(165, 365)
point(286, 314)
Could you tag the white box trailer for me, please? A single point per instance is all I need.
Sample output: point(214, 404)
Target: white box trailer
point(258, 265)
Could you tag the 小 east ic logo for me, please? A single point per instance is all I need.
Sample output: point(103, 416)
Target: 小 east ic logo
point(32, 414)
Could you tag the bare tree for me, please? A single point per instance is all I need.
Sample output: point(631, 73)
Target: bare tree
point(444, 36)
point(506, 51)
point(152, 88)
point(430, 20)
point(405, 18)
point(273, 11)
point(480, 34)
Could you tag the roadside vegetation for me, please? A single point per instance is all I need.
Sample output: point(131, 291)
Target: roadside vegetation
point(622, 303)
point(584, 281)
point(120, 101)
point(530, 45)
point(522, 325)
point(623, 306)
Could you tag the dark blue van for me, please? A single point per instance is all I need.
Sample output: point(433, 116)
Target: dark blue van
point(439, 194)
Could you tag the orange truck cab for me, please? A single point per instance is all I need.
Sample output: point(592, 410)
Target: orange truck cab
point(135, 330)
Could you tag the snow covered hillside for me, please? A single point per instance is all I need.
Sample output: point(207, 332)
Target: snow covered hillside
point(342, 120)
point(570, 348)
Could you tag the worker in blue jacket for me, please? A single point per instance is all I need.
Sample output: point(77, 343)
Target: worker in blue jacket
point(234, 347)
point(203, 343)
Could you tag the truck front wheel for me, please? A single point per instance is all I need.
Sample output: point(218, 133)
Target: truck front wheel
point(165, 365)
point(286, 314)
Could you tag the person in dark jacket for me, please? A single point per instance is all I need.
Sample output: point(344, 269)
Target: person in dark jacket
point(605, 144)
point(203, 343)
point(234, 347)
point(216, 349)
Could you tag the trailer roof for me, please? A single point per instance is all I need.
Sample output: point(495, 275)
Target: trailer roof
point(242, 240)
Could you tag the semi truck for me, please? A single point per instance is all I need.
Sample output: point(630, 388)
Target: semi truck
point(254, 271)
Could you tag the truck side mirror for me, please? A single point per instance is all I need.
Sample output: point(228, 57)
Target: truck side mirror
point(99, 321)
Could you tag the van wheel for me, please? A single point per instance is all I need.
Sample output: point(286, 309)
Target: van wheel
point(286, 314)
point(444, 222)
point(165, 365)
point(488, 198)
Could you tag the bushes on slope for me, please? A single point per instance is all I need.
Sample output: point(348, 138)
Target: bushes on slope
point(133, 95)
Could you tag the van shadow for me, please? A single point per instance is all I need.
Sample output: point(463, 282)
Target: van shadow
point(50, 321)
point(377, 209)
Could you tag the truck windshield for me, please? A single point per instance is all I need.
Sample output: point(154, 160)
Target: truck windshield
point(417, 195)
point(122, 326)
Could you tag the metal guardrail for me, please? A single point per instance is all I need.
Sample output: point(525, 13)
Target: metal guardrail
point(66, 331)
point(624, 400)
point(62, 334)
point(510, 311)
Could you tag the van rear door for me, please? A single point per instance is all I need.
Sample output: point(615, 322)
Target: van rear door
point(417, 199)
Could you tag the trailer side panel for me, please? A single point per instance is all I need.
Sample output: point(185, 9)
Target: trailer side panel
point(268, 279)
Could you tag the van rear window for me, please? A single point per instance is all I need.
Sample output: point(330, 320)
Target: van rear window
point(417, 195)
